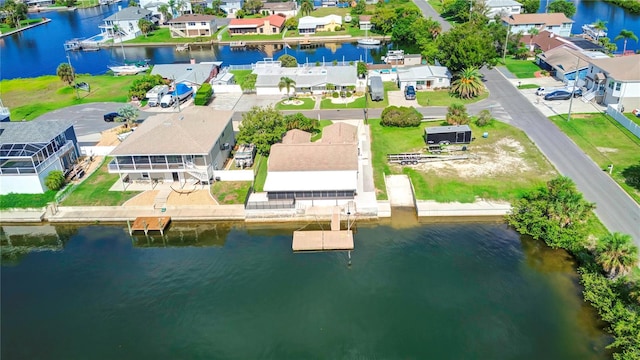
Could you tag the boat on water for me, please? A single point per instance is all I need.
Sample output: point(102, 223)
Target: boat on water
point(367, 41)
point(73, 45)
point(591, 31)
point(237, 44)
point(130, 69)
point(394, 57)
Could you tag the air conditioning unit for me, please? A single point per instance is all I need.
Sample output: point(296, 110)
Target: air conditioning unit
point(225, 146)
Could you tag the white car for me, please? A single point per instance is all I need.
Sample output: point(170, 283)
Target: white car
point(168, 100)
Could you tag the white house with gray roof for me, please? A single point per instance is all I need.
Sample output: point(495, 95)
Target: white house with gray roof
point(308, 79)
point(193, 74)
point(617, 79)
point(29, 151)
point(123, 25)
point(502, 8)
point(183, 147)
point(423, 77)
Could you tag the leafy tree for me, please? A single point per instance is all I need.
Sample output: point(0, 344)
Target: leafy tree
point(626, 35)
point(262, 127)
point(403, 31)
point(400, 116)
point(468, 84)
point(139, 87)
point(133, 3)
point(252, 6)
point(54, 180)
point(288, 61)
point(362, 69)
point(617, 254)
point(166, 13)
point(466, 46)
point(457, 114)
point(145, 26)
point(249, 82)
point(606, 43)
point(14, 12)
point(69, 3)
point(301, 122)
point(457, 10)
point(530, 6)
point(360, 8)
point(291, 23)
point(484, 118)
point(128, 114)
point(66, 73)
point(306, 7)
point(203, 95)
point(215, 5)
point(241, 14)
point(632, 176)
point(383, 20)
point(286, 83)
point(561, 6)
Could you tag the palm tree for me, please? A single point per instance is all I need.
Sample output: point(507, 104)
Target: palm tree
point(599, 25)
point(66, 73)
point(457, 114)
point(166, 14)
point(145, 26)
point(468, 84)
point(532, 32)
point(288, 83)
point(617, 254)
point(626, 35)
point(306, 7)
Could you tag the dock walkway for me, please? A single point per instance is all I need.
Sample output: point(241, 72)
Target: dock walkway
point(321, 240)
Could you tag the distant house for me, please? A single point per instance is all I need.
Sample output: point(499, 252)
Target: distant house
point(563, 62)
point(423, 77)
point(29, 151)
point(502, 8)
point(324, 172)
point(312, 24)
point(185, 147)
point(287, 9)
point(231, 6)
point(365, 22)
point(324, 3)
point(125, 22)
point(179, 8)
point(270, 25)
point(193, 74)
point(192, 25)
point(616, 79)
point(546, 40)
point(556, 23)
point(308, 79)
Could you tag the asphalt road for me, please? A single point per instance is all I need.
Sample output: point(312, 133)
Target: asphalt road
point(428, 12)
point(617, 210)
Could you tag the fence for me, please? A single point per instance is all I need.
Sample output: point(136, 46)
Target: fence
point(96, 150)
point(634, 128)
point(233, 175)
point(220, 89)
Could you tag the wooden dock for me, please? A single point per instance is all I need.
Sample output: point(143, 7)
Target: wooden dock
point(321, 240)
point(149, 223)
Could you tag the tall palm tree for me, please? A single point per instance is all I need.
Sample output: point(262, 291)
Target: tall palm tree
point(626, 35)
point(468, 84)
point(65, 73)
point(532, 32)
point(599, 25)
point(286, 83)
point(617, 254)
point(306, 7)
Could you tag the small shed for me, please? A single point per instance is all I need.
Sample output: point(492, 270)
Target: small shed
point(455, 134)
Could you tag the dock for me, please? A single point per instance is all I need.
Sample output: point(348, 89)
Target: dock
point(149, 223)
point(322, 240)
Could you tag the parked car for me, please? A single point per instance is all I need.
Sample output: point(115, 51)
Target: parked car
point(541, 91)
point(111, 117)
point(409, 92)
point(558, 95)
point(168, 100)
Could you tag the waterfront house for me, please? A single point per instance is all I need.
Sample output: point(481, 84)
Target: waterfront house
point(617, 79)
point(31, 150)
point(423, 77)
point(308, 79)
point(364, 21)
point(179, 7)
point(231, 6)
point(562, 62)
point(546, 40)
point(287, 9)
point(312, 24)
point(192, 74)
point(270, 25)
point(126, 22)
point(192, 25)
point(317, 173)
point(185, 147)
point(502, 8)
point(557, 23)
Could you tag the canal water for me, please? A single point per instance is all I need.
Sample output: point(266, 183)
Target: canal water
point(224, 291)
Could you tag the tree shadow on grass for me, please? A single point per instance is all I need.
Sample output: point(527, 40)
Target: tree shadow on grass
point(632, 176)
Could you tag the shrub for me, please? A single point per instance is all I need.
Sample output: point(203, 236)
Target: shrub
point(401, 116)
point(349, 94)
point(335, 95)
point(203, 95)
point(55, 180)
point(484, 118)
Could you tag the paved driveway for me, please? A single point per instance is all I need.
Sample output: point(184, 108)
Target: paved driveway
point(397, 98)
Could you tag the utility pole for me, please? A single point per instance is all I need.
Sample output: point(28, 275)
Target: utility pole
point(574, 88)
point(506, 42)
point(74, 77)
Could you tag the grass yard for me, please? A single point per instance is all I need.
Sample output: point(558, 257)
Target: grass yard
point(528, 86)
point(239, 75)
point(225, 36)
point(94, 191)
point(24, 201)
point(522, 69)
point(4, 28)
point(261, 174)
point(230, 192)
point(308, 104)
point(162, 35)
point(606, 142)
point(506, 165)
point(445, 98)
point(633, 118)
point(356, 104)
point(323, 123)
point(52, 93)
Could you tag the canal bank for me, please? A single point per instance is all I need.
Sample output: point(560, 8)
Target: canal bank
point(16, 31)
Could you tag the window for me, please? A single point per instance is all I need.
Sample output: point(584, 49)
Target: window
point(273, 29)
point(618, 85)
point(261, 30)
point(610, 85)
point(203, 23)
point(191, 23)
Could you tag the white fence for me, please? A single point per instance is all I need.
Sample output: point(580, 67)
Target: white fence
point(233, 175)
point(222, 89)
point(96, 150)
point(612, 110)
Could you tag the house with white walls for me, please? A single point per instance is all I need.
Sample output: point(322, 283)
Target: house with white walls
point(423, 77)
point(502, 8)
point(123, 25)
point(616, 79)
point(287, 9)
point(192, 25)
point(312, 24)
point(308, 79)
point(557, 23)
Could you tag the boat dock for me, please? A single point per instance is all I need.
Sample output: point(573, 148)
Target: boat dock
point(149, 223)
point(321, 240)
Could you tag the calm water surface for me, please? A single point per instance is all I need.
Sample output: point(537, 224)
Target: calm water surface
point(434, 291)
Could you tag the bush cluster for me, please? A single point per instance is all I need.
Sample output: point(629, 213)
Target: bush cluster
point(203, 95)
point(401, 116)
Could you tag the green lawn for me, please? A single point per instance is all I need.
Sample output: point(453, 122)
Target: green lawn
point(52, 94)
point(444, 98)
point(522, 69)
point(94, 191)
point(323, 123)
point(23, 201)
point(239, 75)
point(606, 142)
point(528, 86)
point(162, 35)
point(356, 104)
point(226, 37)
point(261, 175)
point(308, 104)
point(230, 192)
point(4, 28)
point(435, 182)
point(633, 118)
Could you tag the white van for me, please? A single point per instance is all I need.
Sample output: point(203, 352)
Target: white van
point(168, 100)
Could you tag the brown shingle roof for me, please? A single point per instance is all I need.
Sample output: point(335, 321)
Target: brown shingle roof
point(296, 136)
point(340, 133)
point(545, 40)
point(565, 58)
point(192, 17)
point(622, 68)
point(548, 19)
point(313, 157)
point(195, 130)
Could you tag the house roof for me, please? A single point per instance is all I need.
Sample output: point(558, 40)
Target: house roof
point(552, 19)
point(193, 73)
point(340, 133)
point(364, 18)
point(37, 131)
point(316, 156)
point(501, 3)
point(311, 22)
point(307, 76)
point(622, 68)
point(422, 72)
point(195, 130)
point(296, 136)
point(546, 40)
point(129, 13)
point(566, 58)
point(275, 20)
point(280, 6)
point(192, 17)
point(446, 129)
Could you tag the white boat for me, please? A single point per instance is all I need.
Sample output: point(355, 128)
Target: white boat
point(591, 31)
point(73, 45)
point(237, 44)
point(129, 69)
point(394, 57)
point(367, 40)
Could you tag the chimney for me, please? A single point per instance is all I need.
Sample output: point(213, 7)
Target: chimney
point(192, 61)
